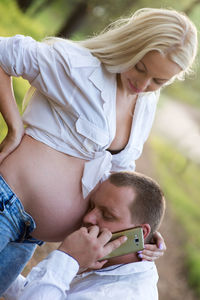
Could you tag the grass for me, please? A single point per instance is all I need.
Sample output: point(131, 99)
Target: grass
point(180, 181)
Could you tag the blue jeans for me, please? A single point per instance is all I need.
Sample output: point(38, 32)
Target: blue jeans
point(16, 244)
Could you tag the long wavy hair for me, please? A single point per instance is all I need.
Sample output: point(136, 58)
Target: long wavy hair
point(124, 42)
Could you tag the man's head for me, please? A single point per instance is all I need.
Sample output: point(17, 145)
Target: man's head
point(125, 200)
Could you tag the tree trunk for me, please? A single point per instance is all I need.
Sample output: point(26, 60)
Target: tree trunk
point(75, 20)
point(24, 4)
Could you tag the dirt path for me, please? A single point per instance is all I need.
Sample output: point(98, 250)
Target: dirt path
point(173, 276)
point(180, 123)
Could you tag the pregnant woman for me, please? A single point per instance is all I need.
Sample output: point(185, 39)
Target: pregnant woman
point(91, 109)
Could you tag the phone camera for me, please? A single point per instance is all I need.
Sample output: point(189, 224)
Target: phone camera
point(136, 239)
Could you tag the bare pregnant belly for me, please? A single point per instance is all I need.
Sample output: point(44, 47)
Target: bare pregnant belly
point(48, 183)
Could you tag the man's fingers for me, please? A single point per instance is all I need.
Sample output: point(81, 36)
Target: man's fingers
point(98, 264)
point(93, 230)
point(105, 236)
point(115, 244)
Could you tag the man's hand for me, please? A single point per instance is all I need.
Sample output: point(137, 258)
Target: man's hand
point(88, 245)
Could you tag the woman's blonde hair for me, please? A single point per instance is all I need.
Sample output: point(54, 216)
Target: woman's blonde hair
point(123, 43)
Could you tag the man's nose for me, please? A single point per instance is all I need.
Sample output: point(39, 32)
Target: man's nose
point(91, 218)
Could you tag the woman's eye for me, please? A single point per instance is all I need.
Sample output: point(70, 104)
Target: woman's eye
point(158, 82)
point(139, 69)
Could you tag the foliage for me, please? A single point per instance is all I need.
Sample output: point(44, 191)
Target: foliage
point(13, 21)
point(180, 181)
point(50, 16)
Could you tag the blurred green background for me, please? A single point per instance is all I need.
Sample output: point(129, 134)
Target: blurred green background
point(76, 19)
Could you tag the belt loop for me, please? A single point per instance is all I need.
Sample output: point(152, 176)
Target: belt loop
point(27, 224)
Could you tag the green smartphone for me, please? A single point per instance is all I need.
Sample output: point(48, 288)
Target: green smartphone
point(134, 243)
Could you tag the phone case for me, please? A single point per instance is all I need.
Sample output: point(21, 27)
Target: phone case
point(134, 243)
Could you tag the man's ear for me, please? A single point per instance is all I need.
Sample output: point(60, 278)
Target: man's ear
point(146, 230)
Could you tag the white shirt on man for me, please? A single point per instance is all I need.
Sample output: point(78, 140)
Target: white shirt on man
point(73, 109)
point(55, 279)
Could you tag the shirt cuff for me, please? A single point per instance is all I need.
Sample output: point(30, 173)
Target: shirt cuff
point(62, 265)
point(13, 291)
point(58, 270)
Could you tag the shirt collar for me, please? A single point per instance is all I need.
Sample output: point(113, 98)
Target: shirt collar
point(126, 269)
point(105, 82)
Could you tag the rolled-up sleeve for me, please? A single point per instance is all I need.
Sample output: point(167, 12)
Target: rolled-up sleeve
point(18, 56)
point(42, 64)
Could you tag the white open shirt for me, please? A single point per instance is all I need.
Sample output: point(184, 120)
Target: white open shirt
point(55, 279)
point(74, 107)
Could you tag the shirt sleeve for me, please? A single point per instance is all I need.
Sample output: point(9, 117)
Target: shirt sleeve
point(18, 56)
point(45, 65)
point(12, 293)
point(50, 279)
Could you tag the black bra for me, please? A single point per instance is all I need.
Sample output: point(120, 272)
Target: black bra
point(113, 152)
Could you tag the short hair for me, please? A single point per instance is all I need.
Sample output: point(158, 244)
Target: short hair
point(148, 206)
point(126, 41)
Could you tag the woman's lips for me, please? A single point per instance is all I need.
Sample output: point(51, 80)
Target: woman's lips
point(134, 88)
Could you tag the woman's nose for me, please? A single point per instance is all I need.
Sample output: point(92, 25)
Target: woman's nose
point(143, 84)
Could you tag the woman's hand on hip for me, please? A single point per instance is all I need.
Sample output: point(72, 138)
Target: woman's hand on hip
point(11, 141)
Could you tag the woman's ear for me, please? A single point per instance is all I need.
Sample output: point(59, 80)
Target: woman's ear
point(146, 230)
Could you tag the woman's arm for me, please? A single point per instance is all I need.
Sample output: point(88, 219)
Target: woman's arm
point(10, 113)
point(18, 57)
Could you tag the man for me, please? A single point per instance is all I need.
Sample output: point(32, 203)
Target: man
point(123, 201)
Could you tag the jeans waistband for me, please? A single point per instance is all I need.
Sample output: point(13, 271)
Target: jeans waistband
point(8, 198)
point(5, 190)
